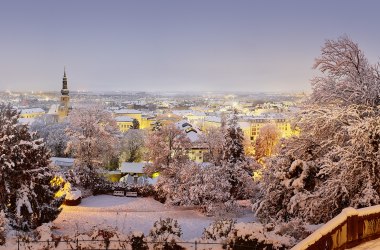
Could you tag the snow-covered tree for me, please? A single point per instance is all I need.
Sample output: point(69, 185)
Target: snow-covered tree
point(233, 148)
point(347, 76)
point(53, 133)
point(166, 233)
point(234, 162)
point(165, 148)
point(204, 186)
point(334, 161)
point(93, 140)
point(213, 138)
point(26, 194)
point(132, 145)
point(135, 124)
point(93, 136)
point(266, 142)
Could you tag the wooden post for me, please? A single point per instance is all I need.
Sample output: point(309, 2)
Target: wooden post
point(352, 228)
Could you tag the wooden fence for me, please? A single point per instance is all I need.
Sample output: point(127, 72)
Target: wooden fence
point(350, 228)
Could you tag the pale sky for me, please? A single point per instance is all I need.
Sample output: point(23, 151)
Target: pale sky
point(158, 45)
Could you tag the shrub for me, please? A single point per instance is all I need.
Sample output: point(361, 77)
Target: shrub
point(138, 241)
point(166, 233)
point(256, 236)
point(219, 229)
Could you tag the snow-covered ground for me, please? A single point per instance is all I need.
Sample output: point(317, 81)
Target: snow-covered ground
point(131, 214)
point(370, 245)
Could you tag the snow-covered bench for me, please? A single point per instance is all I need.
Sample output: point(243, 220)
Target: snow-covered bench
point(118, 193)
point(131, 194)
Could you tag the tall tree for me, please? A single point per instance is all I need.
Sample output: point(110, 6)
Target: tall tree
point(233, 148)
point(234, 161)
point(265, 144)
point(133, 145)
point(93, 139)
point(53, 133)
point(93, 136)
point(347, 76)
point(26, 193)
point(319, 173)
point(166, 147)
point(213, 139)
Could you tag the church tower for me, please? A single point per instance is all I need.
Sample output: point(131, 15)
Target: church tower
point(64, 106)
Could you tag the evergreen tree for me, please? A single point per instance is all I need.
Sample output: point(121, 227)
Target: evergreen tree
point(234, 161)
point(26, 194)
point(135, 124)
point(233, 148)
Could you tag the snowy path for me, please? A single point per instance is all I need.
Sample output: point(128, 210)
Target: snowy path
point(130, 214)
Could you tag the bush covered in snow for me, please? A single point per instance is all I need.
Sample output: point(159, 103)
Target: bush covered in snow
point(219, 230)
point(166, 232)
point(138, 241)
point(247, 235)
point(143, 190)
point(256, 236)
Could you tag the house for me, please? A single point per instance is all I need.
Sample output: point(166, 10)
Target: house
point(212, 122)
point(132, 113)
point(198, 148)
point(31, 113)
point(133, 173)
point(124, 123)
point(132, 168)
point(63, 163)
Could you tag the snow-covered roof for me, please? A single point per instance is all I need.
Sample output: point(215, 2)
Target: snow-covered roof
point(123, 119)
point(127, 111)
point(132, 167)
point(268, 116)
point(196, 113)
point(188, 112)
point(26, 121)
point(32, 111)
point(114, 172)
point(181, 112)
point(53, 109)
point(191, 132)
point(213, 119)
point(153, 181)
point(62, 162)
point(244, 125)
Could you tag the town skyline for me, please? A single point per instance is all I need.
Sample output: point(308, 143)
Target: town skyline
point(169, 46)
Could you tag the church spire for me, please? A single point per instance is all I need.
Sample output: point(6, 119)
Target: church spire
point(65, 90)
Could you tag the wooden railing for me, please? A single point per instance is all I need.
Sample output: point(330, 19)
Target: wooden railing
point(349, 229)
